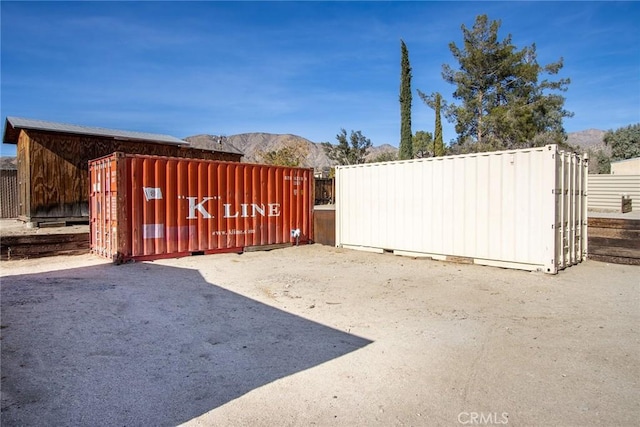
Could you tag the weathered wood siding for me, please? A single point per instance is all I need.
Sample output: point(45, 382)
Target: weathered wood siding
point(24, 175)
point(614, 240)
point(8, 193)
point(54, 169)
point(43, 245)
point(324, 225)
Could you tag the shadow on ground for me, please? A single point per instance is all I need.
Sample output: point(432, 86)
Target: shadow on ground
point(101, 346)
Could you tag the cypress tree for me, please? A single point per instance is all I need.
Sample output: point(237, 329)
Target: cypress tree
point(435, 101)
point(438, 143)
point(406, 145)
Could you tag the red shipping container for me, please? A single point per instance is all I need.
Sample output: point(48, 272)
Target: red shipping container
point(151, 207)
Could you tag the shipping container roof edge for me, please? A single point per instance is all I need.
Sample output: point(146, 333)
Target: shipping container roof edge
point(182, 159)
point(550, 147)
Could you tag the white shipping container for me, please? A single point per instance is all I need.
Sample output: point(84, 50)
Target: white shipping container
point(522, 209)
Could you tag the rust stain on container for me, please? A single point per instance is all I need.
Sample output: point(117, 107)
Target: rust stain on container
point(150, 207)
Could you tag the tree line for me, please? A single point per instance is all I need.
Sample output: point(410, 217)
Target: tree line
point(623, 143)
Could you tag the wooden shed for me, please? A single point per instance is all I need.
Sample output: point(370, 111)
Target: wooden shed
point(53, 180)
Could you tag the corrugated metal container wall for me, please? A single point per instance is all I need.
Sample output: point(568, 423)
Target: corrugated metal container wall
point(149, 207)
point(606, 191)
point(521, 209)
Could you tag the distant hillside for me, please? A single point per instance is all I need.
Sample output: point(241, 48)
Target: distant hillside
point(254, 144)
point(588, 139)
point(7, 162)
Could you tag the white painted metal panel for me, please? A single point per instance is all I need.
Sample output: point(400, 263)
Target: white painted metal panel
point(521, 208)
point(626, 167)
point(605, 191)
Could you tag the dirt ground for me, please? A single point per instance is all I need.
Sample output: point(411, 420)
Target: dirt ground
point(315, 335)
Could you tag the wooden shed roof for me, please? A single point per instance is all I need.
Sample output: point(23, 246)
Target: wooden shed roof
point(14, 124)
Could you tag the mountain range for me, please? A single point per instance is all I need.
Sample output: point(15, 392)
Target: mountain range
point(591, 139)
point(254, 145)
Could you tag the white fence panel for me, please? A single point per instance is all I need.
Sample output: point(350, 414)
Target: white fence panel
point(605, 191)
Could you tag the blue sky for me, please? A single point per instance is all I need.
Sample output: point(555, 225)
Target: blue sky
point(306, 68)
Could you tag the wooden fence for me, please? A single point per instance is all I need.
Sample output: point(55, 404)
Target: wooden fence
point(325, 191)
point(8, 193)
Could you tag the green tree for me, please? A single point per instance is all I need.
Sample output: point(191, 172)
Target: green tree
point(422, 144)
point(385, 156)
point(624, 142)
point(504, 101)
point(438, 143)
point(406, 146)
point(280, 157)
point(348, 152)
point(599, 162)
point(436, 102)
point(292, 154)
